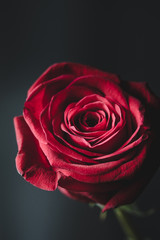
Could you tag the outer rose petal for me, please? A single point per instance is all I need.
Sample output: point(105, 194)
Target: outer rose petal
point(71, 68)
point(142, 91)
point(39, 98)
point(151, 102)
point(31, 163)
point(116, 193)
point(87, 196)
point(129, 193)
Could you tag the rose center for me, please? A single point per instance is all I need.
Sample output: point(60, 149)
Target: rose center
point(90, 119)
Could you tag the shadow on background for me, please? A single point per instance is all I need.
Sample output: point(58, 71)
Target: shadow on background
point(118, 36)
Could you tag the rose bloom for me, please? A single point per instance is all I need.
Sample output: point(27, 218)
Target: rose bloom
point(89, 134)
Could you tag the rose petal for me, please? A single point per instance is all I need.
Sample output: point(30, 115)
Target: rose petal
point(38, 99)
point(108, 171)
point(75, 69)
point(31, 163)
point(142, 91)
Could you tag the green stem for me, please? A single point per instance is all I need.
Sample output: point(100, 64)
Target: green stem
point(126, 225)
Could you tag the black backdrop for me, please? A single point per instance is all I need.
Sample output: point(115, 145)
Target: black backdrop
point(118, 36)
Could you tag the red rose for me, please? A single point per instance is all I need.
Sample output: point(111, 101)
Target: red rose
point(88, 133)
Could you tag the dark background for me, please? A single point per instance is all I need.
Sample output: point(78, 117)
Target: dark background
point(118, 36)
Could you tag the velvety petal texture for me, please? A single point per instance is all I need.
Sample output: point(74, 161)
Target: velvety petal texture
point(90, 134)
